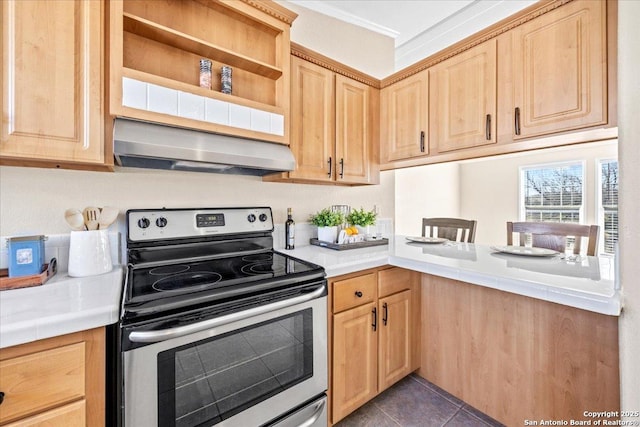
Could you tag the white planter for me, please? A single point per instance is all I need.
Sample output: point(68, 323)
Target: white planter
point(328, 234)
point(364, 230)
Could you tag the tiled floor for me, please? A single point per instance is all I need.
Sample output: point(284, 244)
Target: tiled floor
point(415, 402)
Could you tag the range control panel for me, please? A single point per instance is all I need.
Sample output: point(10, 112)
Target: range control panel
point(159, 224)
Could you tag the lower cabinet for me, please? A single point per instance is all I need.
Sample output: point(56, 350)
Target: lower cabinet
point(374, 331)
point(54, 382)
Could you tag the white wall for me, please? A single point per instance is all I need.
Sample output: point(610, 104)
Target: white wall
point(489, 188)
point(366, 51)
point(425, 191)
point(629, 136)
point(34, 200)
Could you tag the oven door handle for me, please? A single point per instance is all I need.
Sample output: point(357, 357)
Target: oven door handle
point(180, 331)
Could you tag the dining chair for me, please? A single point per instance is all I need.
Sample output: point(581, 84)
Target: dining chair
point(455, 229)
point(553, 235)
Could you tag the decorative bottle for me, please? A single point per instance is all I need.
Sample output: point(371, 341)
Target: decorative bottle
point(289, 231)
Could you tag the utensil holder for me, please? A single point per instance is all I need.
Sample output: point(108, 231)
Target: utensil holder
point(89, 253)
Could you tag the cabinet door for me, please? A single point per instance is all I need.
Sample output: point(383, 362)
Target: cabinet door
point(51, 81)
point(394, 355)
point(312, 121)
point(404, 123)
point(462, 97)
point(559, 70)
point(353, 132)
point(354, 364)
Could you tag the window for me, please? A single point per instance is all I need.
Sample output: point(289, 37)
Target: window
point(608, 204)
point(552, 193)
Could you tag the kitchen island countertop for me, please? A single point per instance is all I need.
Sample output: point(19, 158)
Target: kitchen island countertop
point(61, 306)
point(586, 282)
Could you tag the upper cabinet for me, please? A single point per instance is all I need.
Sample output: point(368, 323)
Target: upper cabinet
point(462, 99)
point(405, 118)
point(559, 72)
point(334, 124)
point(155, 53)
point(548, 70)
point(52, 89)
point(312, 125)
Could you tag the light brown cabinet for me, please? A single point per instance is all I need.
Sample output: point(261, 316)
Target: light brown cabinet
point(559, 71)
point(517, 358)
point(52, 61)
point(547, 70)
point(56, 381)
point(374, 335)
point(405, 118)
point(462, 100)
point(155, 48)
point(333, 127)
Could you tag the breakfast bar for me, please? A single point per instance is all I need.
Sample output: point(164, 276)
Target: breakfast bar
point(517, 337)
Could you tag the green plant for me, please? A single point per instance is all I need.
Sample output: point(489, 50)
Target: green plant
point(326, 218)
point(361, 217)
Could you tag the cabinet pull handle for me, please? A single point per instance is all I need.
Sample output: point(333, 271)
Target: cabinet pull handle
point(385, 314)
point(517, 120)
point(374, 325)
point(330, 167)
point(1, 397)
point(422, 141)
point(487, 129)
point(341, 167)
point(359, 294)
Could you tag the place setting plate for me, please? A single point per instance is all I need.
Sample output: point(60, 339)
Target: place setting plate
point(419, 239)
point(525, 251)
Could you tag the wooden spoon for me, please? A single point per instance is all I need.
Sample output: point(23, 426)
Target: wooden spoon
point(107, 217)
point(75, 219)
point(91, 217)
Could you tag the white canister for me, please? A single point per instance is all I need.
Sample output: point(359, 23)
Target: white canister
point(89, 253)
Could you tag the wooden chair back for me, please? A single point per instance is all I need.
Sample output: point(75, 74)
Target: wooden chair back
point(553, 235)
point(450, 228)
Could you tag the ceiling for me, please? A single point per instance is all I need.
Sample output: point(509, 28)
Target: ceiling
point(419, 27)
point(400, 19)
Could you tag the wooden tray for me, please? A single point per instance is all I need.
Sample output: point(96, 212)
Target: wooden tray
point(48, 272)
point(345, 246)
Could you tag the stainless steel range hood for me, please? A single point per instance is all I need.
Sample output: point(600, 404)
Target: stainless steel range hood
point(150, 145)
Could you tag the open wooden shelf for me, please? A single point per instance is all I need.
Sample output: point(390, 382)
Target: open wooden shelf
point(207, 93)
point(162, 34)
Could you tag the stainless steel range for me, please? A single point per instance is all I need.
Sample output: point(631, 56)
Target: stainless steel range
point(216, 327)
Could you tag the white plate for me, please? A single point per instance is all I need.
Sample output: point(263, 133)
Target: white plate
point(525, 251)
point(427, 239)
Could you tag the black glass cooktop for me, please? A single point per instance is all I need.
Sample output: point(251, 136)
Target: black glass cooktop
point(172, 284)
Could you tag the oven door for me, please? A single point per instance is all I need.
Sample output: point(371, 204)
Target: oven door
point(242, 372)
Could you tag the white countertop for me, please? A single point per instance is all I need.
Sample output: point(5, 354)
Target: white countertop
point(586, 283)
point(64, 304)
point(61, 306)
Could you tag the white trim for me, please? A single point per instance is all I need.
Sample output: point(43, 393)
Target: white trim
point(334, 12)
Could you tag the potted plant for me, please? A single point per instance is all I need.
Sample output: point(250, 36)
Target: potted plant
point(362, 219)
point(327, 223)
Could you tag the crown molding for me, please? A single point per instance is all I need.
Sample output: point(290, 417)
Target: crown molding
point(333, 65)
point(507, 24)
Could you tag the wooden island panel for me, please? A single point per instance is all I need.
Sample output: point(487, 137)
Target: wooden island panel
point(517, 358)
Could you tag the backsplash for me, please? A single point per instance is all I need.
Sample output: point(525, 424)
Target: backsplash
point(57, 246)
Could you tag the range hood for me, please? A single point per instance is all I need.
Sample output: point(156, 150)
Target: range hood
point(150, 145)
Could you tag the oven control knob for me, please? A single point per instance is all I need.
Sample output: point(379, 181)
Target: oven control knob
point(251, 218)
point(143, 222)
point(161, 222)
point(263, 217)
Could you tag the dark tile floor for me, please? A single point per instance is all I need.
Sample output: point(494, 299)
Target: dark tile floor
point(415, 402)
